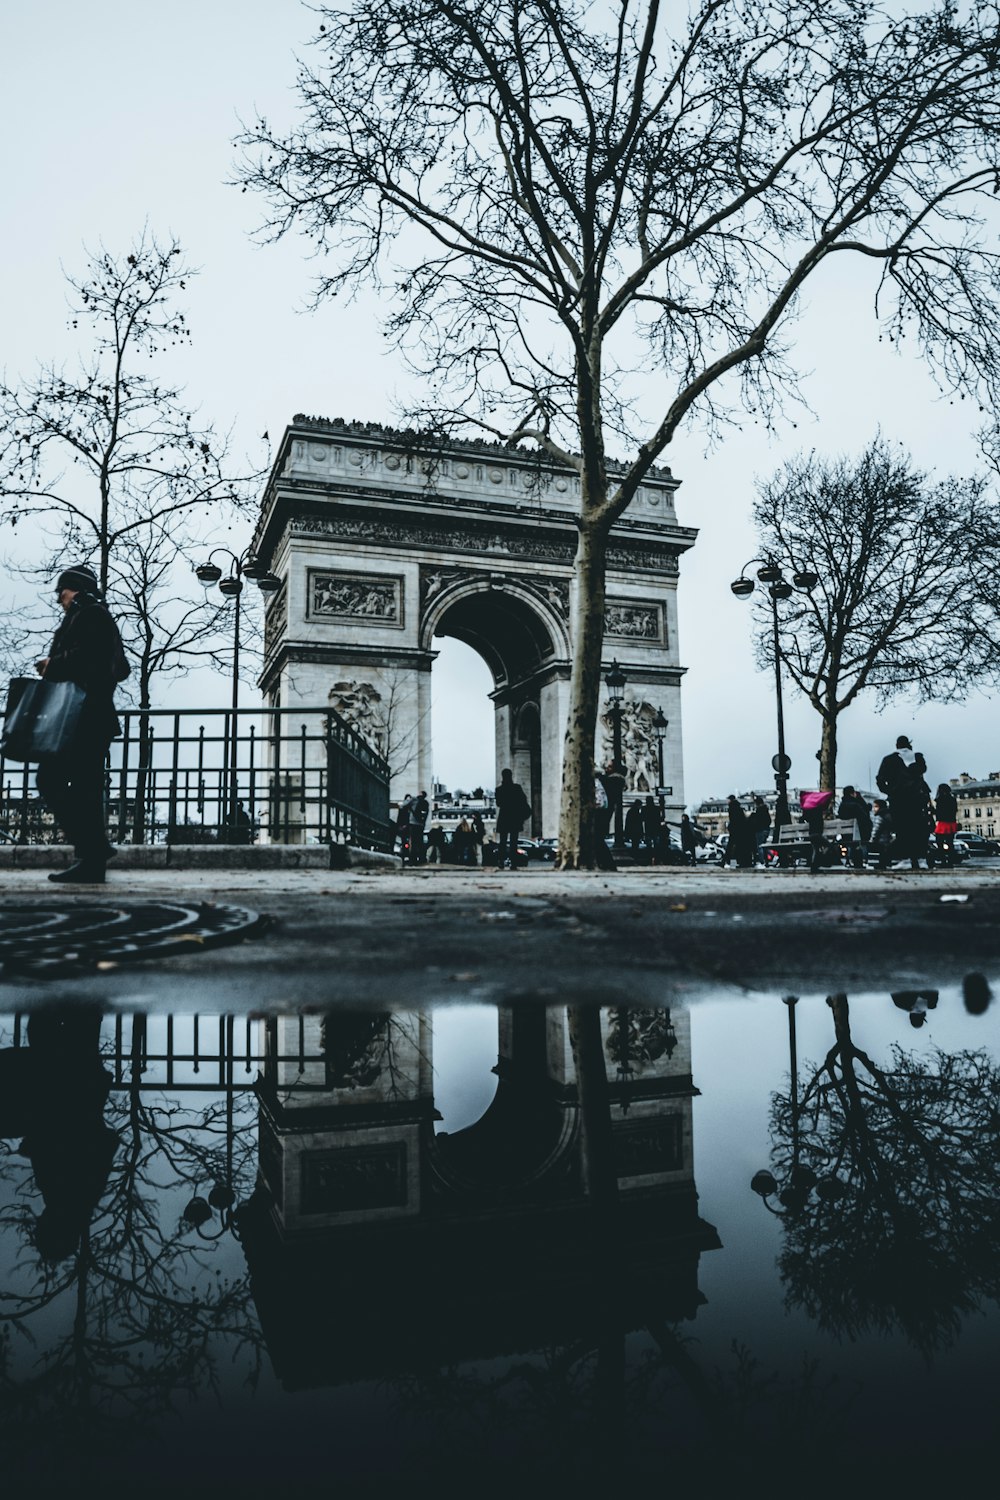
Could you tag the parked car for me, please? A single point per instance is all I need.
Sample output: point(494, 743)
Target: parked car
point(975, 843)
point(542, 851)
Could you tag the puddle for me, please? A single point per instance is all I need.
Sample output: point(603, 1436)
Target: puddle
point(479, 1244)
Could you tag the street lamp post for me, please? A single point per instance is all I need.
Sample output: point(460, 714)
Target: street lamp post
point(770, 574)
point(615, 683)
point(660, 724)
point(241, 565)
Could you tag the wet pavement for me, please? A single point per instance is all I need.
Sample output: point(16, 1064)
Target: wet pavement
point(424, 936)
point(464, 1180)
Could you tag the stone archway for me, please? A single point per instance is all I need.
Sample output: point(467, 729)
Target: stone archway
point(383, 549)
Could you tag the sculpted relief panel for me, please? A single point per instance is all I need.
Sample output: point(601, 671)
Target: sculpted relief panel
point(640, 751)
point(479, 537)
point(635, 620)
point(433, 581)
point(375, 598)
point(360, 705)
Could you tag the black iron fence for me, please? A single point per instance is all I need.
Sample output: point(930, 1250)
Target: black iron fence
point(189, 776)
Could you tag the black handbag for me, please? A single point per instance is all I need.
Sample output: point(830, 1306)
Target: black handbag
point(41, 718)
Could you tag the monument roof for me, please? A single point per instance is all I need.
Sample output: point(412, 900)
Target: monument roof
point(414, 438)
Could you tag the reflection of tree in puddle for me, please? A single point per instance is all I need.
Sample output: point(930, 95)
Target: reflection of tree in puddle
point(113, 1301)
point(888, 1180)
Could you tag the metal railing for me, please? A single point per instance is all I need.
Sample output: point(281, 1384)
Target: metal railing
point(190, 776)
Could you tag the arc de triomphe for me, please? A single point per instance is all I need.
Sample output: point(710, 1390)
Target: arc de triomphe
point(383, 550)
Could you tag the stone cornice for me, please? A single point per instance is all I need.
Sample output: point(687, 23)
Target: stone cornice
point(408, 439)
point(342, 655)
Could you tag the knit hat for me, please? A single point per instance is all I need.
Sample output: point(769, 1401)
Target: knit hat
point(80, 577)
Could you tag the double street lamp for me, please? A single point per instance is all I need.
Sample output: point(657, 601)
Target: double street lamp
point(803, 582)
point(242, 565)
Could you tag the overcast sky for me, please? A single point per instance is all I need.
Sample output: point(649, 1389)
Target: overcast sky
point(115, 113)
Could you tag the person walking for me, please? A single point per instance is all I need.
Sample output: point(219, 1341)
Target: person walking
point(403, 826)
point(655, 835)
point(814, 809)
point(86, 649)
point(478, 835)
point(419, 809)
point(513, 810)
point(740, 847)
point(854, 806)
point(881, 834)
point(901, 777)
point(690, 839)
point(435, 844)
point(945, 823)
point(633, 828)
point(760, 821)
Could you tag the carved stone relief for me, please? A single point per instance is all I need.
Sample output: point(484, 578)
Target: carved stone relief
point(473, 538)
point(640, 751)
point(360, 704)
point(275, 621)
point(373, 597)
point(553, 591)
point(635, 620)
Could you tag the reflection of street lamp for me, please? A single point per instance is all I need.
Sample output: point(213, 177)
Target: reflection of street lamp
point(199, 1212)
point(795, 1191)
point(244, 565)
point(770, 574)
point(615, 683)
point(660, 730)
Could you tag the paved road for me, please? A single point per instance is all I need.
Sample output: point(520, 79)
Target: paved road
point(415, 937)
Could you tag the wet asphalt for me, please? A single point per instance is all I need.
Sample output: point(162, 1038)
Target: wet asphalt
point(438, 935)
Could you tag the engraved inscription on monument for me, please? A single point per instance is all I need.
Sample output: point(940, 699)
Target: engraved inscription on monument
point(373, 597)
point(364, 1178)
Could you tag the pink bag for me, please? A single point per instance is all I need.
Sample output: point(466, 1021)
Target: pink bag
point(815, 800)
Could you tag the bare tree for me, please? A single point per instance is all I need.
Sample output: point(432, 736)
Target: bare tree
point(899, 606)
point(891, 1182)
point(108, 462)
point(536, 184)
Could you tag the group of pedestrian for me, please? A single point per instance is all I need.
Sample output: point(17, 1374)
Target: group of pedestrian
point(912, 815)
point(898, 825)
point(644, 831)
point(748, 834)
point(468, 838)
point(411, 820)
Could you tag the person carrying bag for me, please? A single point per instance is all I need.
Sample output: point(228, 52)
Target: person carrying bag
point(86, 661)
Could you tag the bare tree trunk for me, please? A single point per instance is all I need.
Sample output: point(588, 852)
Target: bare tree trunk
point(595, 1113)
point(577, 821)
point(828, 749)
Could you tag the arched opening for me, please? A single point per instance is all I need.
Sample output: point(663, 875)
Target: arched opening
point(465, 1059)
point(463, 737)
point(519, 633)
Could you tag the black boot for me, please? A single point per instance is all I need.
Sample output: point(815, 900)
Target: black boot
point(81, 872)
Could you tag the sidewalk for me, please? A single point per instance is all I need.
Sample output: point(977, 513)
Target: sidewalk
point(409, 937)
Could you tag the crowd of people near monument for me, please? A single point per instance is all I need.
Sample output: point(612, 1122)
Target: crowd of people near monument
point(907, 826)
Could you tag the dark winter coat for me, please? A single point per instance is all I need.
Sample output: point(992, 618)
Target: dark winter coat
point(87, 649)
point(857, 808)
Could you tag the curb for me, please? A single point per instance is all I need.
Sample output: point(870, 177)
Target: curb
point(207, 857)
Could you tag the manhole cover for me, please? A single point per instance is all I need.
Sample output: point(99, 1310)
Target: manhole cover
point(43, 940)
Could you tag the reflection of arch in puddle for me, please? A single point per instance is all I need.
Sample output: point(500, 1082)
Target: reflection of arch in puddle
point(520, 1143)
point(465, 1072)
point(374, 1245)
